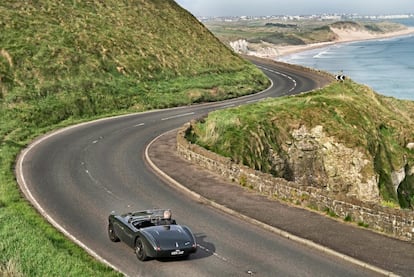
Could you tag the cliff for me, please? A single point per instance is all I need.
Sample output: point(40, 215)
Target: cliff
point(344, 139)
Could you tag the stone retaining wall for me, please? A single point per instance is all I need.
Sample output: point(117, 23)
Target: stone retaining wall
point(394, 222)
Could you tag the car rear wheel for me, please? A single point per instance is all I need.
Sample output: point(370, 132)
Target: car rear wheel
point(140, 250)
point(111, 233)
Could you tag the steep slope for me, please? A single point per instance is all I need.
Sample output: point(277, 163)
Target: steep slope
point(90, 57)
point(344, 138)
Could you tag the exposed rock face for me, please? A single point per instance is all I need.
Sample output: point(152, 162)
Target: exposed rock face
point(395, 222)
point(313, 159)
point(262, 49)
point(240, 46)
point(397, 177)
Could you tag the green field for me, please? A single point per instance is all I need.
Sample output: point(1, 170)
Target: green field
point(67, 61)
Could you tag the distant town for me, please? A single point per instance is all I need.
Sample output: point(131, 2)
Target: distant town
point(304, 17)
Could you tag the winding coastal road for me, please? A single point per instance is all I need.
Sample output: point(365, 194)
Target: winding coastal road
point(76, 176)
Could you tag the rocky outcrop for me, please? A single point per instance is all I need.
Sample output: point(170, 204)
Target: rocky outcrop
point(262, 49)
point(240, 46)
point(315, 159)
point(395, 222)
point(397, 177)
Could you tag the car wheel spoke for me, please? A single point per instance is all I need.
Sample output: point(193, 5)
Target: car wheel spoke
point(140, 250)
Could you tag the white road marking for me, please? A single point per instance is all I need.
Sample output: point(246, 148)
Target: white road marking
point(177, 116)
point(28, 194)
point(281, 74)
point(140, 124)
point(213, 253)
point(228, 106)
point(97, 183)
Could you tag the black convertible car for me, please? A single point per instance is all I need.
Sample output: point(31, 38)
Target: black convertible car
point(152, 234)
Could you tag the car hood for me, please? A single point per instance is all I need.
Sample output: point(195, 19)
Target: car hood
point(170, 236)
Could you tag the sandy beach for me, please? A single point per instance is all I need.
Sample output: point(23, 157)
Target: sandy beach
point(267, 50)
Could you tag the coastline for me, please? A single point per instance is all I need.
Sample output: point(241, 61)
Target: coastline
point(275, 52)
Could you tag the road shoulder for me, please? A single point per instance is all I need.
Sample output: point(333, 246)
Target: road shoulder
point(364, 246)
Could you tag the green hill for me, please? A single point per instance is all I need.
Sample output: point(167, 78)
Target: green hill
point(65, 61)
point(344, 138)
point(92, 57)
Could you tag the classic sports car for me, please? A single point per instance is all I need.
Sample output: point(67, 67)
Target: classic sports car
point(152, 234)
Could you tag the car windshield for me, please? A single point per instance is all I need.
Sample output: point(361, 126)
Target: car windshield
point(142, 224)
point(152, 216)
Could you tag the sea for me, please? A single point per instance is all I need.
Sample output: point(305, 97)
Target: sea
point(385, 65)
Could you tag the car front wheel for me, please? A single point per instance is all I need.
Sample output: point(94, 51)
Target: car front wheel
point(111, 233)
point(140, 250)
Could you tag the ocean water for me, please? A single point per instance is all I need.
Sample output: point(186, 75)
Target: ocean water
point(386, 65)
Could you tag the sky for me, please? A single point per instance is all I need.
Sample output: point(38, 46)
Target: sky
point(296, 7)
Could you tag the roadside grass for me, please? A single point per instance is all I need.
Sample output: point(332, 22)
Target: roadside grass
point(348, 218)
point(363, 224)
point(29, 246)
point(331, 213)
point(10, 269)
point(43, 251)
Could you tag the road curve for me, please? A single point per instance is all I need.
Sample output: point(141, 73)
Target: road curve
point(76, 176)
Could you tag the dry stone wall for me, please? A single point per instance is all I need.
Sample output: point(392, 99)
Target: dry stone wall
point(394, 222)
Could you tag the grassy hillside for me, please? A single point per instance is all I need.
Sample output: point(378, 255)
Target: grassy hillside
point(65, 61)
point(379, 126)
point(137, 55)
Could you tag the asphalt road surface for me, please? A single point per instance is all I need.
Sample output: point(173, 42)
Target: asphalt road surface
point(75, 177)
